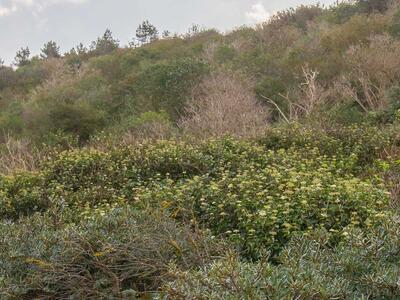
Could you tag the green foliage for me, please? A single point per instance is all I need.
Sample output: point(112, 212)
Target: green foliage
point(104, 44)
point(122, 254)
point(342, 12)
point(148, 125)
point(363, 266)
point(11, 118)
point(305, 211)
point(355, 31)
point(50, 50)
point(80, 119)
point(146, 32)
point(7, 77)
point(166, 85)
point(365, 142)
point(161, 74)
point(299, 17)
point(224, 54)
point(370, 6)
point(22, 57)
point(149, 117)
point(258, 198)
point(347, 114)
point(21, 194)
point(390, 115)
point(265, 200)
point(394, 28)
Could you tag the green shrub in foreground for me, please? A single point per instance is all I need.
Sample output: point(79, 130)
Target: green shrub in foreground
point(108, 257)
point(364, 266)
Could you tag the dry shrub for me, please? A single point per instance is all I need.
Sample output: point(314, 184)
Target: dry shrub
point(278, 38)
point(209, 51)
point(224, 104)
point(309, 96)
point(242, 39)
point(151, 131)
point(115, 256)
point(374, 69)
point(18, 155)
point(355, 31)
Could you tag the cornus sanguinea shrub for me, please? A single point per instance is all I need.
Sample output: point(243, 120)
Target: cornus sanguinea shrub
point(255, 197)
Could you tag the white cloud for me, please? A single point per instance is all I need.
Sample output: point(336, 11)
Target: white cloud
point(5, 11)
point(8, 7)
point(257, 14)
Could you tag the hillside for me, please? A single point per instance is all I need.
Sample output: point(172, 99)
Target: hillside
point(262, 163)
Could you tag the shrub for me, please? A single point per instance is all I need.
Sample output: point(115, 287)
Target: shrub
point(21, 194)
point(118, 255)
point(341, 12)
point(299, 17)
point(79, 119)
point(374, 71)
point(224, 105)
point(258, 198)
point(394, 28)
point(83, 180)
point(7, 77)
point(224, 54)
point(355, 31)
point(149, 125)
point(366, 143)
point(364, 265)
point(262, 203)
point(167, 85)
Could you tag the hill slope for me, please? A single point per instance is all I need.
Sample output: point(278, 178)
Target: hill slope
point(259, 164)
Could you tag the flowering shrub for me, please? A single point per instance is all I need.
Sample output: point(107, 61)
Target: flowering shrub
point(366, 143)
point(262, 203)
point(257, 198)
point(21, 194)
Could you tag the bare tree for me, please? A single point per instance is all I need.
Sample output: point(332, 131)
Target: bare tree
point(224, 104)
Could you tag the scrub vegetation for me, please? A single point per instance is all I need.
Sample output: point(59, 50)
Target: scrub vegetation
point(263, 163)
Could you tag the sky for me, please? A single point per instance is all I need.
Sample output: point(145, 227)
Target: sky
point(70, 22)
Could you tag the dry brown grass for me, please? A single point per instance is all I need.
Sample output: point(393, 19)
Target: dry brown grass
point(224, 104)
point(18, 155)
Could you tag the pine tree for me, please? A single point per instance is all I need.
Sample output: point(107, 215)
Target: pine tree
point(50, 50)
point(105, 44)
point(22, 57)
point(146, 32)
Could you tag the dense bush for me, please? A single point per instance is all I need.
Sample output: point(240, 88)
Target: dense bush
point(118, 255)
point(21, 194)
point(366, 142)
point(363, 266)
point(258, 198)
point(97, 203)
point(116, 83)
point(166, 85)
point(271, 195)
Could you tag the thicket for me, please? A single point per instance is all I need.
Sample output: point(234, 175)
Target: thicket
point(252, 197)
point(259, 164)
point(339, 63)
